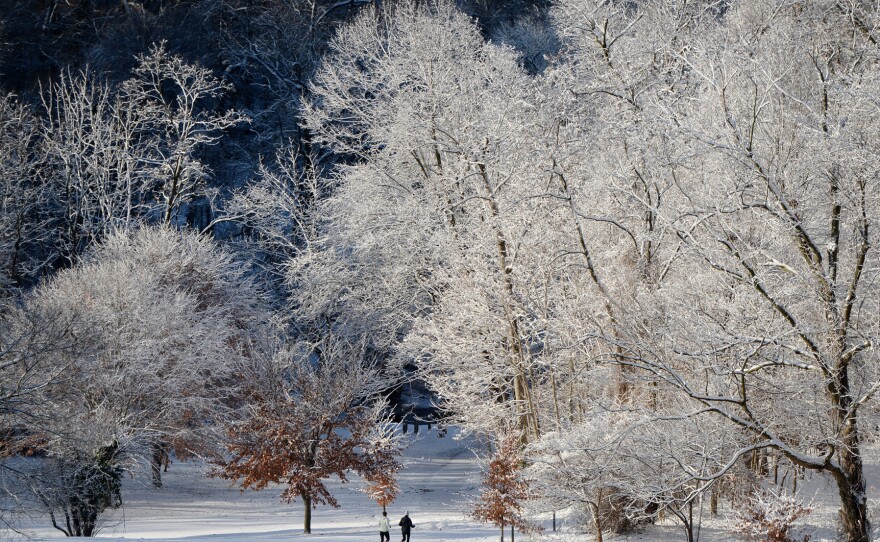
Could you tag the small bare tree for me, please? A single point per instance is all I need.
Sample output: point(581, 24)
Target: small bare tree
point(769, 516)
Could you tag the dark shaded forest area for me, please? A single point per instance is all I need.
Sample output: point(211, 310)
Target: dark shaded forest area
point(263, 51)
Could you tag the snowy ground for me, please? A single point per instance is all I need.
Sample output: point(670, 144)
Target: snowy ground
point(440, 475)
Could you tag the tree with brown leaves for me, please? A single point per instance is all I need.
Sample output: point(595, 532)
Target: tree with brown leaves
point(314, 414)
point(382, 481)
point(504, 491)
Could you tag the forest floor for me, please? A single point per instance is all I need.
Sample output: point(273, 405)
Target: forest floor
point(441, 476)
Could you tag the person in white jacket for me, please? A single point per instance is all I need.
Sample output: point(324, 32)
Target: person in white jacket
point(384, 528)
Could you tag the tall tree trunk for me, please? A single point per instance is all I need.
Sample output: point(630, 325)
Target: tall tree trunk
point(527, 412)
point(853, 511)
point(851, 487)
point(307, 514)
point(850, 475)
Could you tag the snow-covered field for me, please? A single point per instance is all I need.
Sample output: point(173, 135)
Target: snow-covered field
point(441, 474)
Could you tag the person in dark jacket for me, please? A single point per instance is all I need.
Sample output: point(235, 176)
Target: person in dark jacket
point(406, 525)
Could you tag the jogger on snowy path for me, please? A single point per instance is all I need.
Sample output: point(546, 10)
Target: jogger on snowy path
point(384, 528)
point(405, 525)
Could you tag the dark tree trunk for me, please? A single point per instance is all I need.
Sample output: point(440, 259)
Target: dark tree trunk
point(307, 514)
point(854, 515)
point(89, 523)
point(849, 475)
point(686, 517)
point(160, 453)
point(690, 522)
point(851, 488)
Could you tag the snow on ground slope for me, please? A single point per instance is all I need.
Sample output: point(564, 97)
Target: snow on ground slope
point(441, 473)
point(438, 472)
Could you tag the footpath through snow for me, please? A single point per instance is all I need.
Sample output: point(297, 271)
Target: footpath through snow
point(440, 475)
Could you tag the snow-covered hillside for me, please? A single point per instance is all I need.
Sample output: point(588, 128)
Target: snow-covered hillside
point(440, 476)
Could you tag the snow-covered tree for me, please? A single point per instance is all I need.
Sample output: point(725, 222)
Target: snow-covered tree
point(578, 468)
point(769, 195)
point(113, 150)
point(674, 220)
point(437, 120)
point(32, 341)
point(36, 350)
point(280, 211)
point(80, 489)
point(164, 315)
